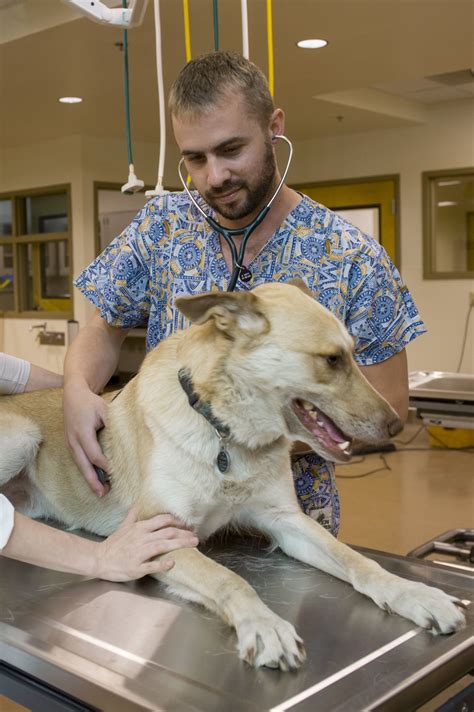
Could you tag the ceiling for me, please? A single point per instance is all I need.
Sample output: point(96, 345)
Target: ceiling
point(381, 68)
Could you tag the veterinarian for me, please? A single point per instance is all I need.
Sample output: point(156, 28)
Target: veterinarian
point(226, 127)
point(123, 556)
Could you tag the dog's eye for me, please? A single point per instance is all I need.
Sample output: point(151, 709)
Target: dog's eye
point(333, 360)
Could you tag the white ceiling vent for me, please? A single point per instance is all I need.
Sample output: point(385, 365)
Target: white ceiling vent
point(435, 88)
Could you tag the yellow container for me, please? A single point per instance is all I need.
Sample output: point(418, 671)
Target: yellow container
point(453, 438)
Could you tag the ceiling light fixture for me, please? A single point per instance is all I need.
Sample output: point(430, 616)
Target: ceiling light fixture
point(70, 99)
point(312, 44)
point(446, 203)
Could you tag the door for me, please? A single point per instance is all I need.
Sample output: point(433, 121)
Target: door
point(370, 204)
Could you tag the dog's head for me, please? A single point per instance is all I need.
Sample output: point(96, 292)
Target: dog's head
point(297, 357)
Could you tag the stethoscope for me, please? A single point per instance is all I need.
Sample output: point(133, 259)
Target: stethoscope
point(228, 234)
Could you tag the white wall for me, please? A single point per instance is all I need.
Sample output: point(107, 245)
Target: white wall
point(446, 141)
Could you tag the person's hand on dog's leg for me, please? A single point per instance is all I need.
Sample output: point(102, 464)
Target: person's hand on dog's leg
point(124, 556)
point(129, 552)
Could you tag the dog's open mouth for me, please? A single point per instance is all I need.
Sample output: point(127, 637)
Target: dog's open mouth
point(322, 428)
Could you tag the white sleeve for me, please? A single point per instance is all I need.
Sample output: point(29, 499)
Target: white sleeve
point(14, 374)
point(6, 520)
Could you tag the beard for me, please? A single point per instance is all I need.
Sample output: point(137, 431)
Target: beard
point(256, 192)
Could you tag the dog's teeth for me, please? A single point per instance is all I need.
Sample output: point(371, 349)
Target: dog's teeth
point(312, 414)
point(307, 405)
point(320, 422)
point(344, 446)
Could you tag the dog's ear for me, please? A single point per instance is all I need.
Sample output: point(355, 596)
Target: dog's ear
point(298, 282)
point(231, 311)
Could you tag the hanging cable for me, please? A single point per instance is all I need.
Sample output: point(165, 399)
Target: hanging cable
point(187, 45)
point(187, 33)
point(159, 190)
point(133, 184)
point(271, 81)
point(245, 29)
point(464, 339)
point(216, 24)
point(127, 94)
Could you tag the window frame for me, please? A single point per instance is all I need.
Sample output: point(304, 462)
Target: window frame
point(429, 243)
point(62, 308)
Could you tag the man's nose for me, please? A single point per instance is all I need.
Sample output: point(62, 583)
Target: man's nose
point(217, 173)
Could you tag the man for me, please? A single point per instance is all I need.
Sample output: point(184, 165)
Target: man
point(225, 125)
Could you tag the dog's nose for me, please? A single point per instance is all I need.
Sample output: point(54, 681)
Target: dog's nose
point(394, 427)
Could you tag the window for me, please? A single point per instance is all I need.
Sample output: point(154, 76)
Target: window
point(35, 244)
point(448, 224)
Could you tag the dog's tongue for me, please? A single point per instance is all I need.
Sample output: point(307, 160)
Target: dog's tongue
point(331, 428)
point(321, 426)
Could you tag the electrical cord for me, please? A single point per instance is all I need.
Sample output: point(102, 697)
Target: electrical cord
point(444, 446)
point(387, 468)
point(466, 329)
point(407, 442)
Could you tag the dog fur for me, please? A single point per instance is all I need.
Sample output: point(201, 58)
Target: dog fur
point(255, 357)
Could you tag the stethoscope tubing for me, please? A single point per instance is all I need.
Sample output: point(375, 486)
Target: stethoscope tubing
point(229, 233)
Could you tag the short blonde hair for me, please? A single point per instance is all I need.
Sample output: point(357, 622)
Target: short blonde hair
point(206, 80)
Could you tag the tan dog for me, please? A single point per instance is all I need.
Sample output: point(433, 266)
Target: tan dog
point(262, 369)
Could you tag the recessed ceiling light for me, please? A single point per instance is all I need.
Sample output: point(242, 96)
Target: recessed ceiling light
point(446, 203)
point(70, 99)
point(312, 44)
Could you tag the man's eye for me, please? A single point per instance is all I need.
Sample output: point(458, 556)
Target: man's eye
point(231, 150)
point(194, 159)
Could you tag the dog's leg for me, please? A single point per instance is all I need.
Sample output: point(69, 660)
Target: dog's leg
point(302, 538)
point(263, 637)
point(20, 438)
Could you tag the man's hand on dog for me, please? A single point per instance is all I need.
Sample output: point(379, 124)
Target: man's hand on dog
point(129, 552)
point(84, 415)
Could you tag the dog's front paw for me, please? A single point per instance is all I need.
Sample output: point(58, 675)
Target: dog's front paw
point(268, 640)
point(428, 607)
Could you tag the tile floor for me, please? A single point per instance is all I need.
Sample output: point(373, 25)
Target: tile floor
point(418, 493)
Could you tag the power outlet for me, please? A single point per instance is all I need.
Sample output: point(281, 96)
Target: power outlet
point(471, 299)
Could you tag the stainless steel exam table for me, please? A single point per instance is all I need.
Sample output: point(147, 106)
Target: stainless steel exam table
point(80, 644)
point(443, 398)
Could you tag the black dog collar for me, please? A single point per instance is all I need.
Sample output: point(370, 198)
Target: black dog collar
point(204, 409)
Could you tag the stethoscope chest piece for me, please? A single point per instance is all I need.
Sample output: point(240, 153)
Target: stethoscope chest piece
point(245, 274)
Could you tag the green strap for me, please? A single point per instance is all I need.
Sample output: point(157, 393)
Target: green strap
point(216, 25)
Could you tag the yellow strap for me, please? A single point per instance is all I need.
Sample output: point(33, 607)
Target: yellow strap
point(271, 80)
point(187, 33)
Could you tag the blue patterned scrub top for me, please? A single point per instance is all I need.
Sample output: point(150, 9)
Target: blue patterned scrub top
point(169, 250)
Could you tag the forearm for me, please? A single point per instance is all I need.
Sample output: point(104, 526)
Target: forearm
point(390, 379)
point(93, 356)
point(41, 378)
point(42, 545)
